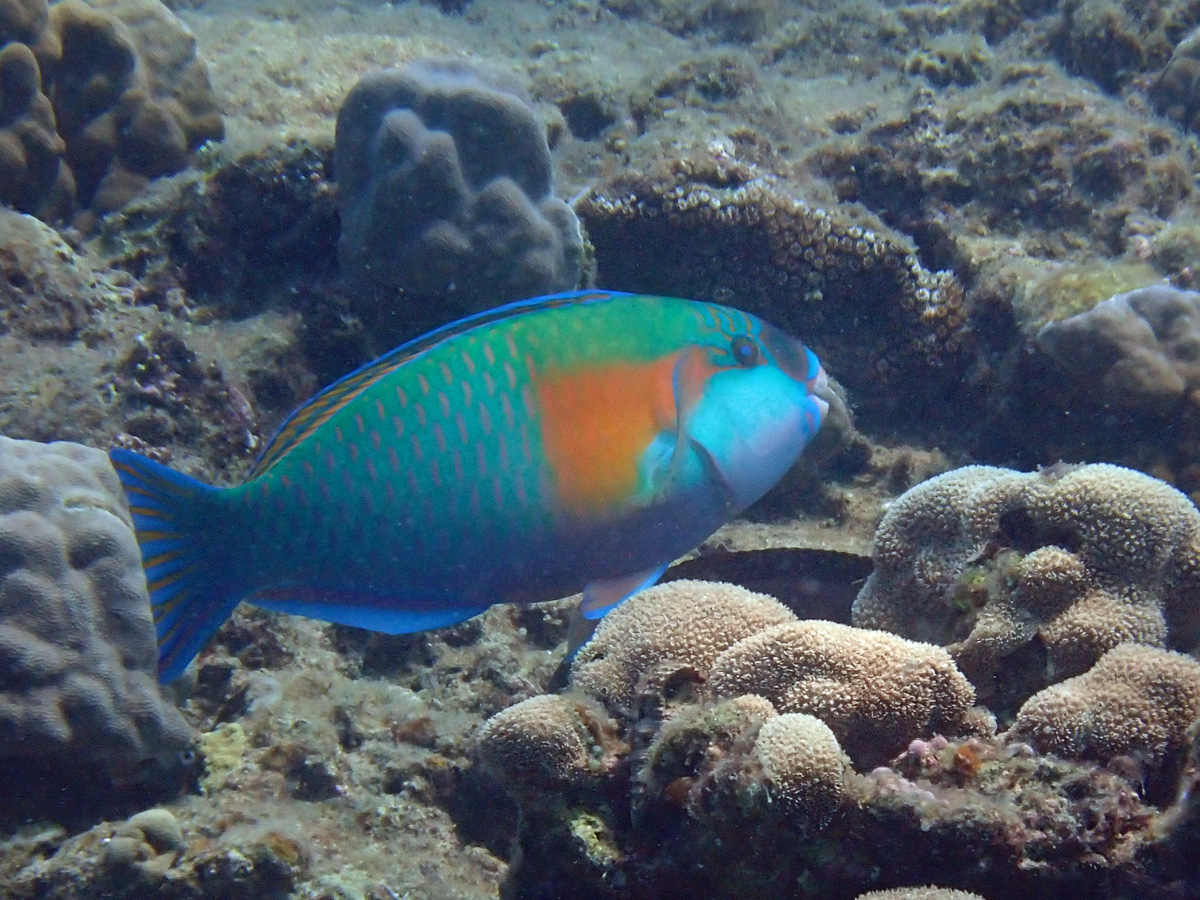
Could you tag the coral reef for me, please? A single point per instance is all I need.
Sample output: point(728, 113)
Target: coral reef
point(445, 184)
point(104, 98)
point(876, 691)
point(1141, 347)
point(79, 702)
point(1030, 578)
point(1136, 701)
point(701, 795)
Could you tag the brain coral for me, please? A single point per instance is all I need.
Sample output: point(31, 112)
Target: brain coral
point(77, 645)
point(686, 623)
point(876, 691)
point(444, 176)
point(1136, 701)
point(1057, 566)
point(1139, 348)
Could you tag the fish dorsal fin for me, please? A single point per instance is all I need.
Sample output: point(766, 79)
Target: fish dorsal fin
point(314, 413)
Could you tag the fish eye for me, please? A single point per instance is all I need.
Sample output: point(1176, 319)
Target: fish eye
point(745, 351)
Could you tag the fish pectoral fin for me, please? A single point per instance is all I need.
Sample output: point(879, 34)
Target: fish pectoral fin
point(601, 596)
point(361, 610)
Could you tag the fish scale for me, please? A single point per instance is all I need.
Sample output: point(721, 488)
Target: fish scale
point(578, 441)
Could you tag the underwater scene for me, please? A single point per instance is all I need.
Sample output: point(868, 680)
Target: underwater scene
point(599, 449)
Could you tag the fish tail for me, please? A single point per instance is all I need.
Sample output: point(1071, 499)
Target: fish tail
point(190, 595)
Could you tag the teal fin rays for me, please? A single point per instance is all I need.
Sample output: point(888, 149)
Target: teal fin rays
point(188, 599)
point(313, 414)
point(361, 610)
point(601, 596)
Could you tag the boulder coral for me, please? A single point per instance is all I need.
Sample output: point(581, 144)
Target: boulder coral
point(681, 623)
point(1035, 576)
point(446, 188)
point(96, 99)
point(79, 697)
point(878, 692)
point(1140, 348)
point(1136, 701)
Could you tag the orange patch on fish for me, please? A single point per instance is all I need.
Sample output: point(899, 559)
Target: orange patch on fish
point(596, 422)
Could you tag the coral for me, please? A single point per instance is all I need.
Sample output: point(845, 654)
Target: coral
point(32, 177)
point(117, 97)
point(548, 740)
point(876, 691)
point(1176, 90)
point(445, 184)
point(953, 58)
point(1030, 578)
point(46, 290)
point(802, 766)
point(1136, 701)
point(920, 893)
point(1142, 348)
point(679, 624)
point(806, 269)
point(77, 643)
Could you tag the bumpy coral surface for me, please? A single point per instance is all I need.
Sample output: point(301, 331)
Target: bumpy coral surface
point(1140, 347)
point(1136, 701)
point(681, 623)
point(104, 98)
point(1030, 578)
point(546, 739)
point(920, 893)
point(445, 182)
point(802, 765)
point(77, 645)
point(876, 691)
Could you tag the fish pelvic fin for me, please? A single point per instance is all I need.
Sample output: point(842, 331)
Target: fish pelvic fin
point(190, 596)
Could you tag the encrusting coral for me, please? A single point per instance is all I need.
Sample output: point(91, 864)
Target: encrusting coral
point(1030, 578)
point(445, 182)
point(655, 232)
point(878, 692)
point(79, 697)
point(1136, 701)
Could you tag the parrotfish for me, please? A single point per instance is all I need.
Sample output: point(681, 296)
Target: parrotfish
point(584, 440)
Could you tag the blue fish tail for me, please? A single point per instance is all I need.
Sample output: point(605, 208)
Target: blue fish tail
point(173, 516)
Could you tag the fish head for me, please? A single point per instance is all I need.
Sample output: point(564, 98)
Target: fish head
point(749, 401)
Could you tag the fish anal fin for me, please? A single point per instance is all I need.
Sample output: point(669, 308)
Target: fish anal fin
point(361, 610)
point(602, 595)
